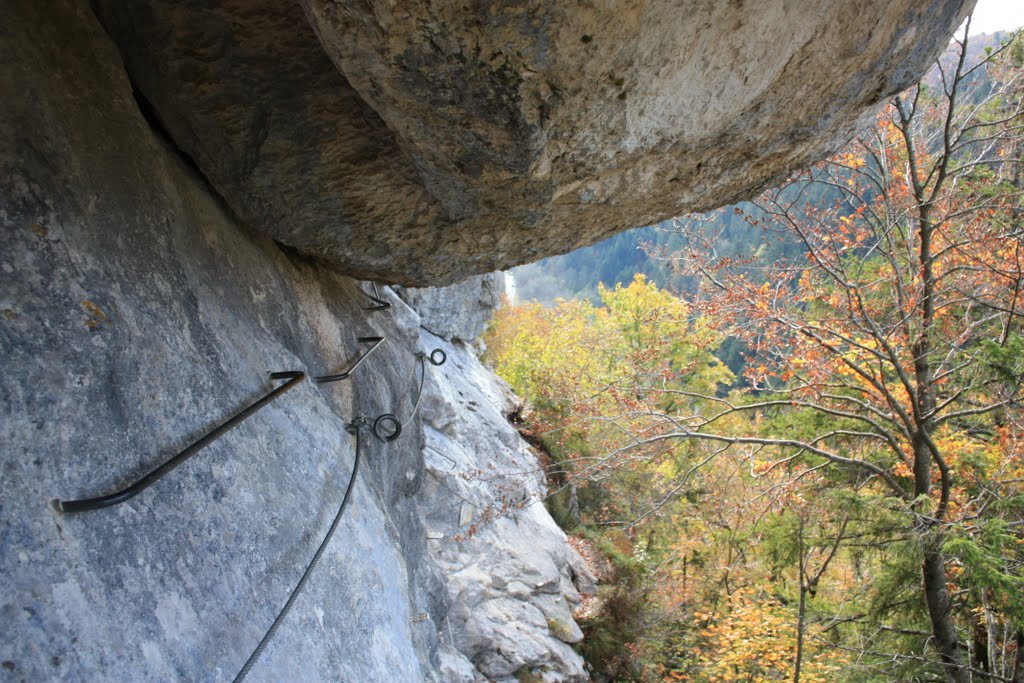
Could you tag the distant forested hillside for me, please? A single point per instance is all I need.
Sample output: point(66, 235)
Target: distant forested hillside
point(576, 275)
point(651, 250)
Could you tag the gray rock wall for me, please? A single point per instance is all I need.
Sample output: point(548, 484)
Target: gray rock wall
point(135, 314)
point(460, 311)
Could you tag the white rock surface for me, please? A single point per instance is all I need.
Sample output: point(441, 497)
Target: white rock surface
point(511, 577)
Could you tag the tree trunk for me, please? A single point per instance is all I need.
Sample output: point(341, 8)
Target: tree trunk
point(1018, 666)
point(801, 615)
point(991, 633)
point(944, 634)
point(800, 633)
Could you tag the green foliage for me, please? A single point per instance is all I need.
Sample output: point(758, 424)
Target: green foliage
point(559, 629)
point(1006, 360)
point(991, 558)
point(559, 506)
point(576, 358)
point(525, 674)
point(610, 635)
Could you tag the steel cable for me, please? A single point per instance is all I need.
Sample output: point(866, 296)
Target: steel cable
point(386, 428)
point(437, 357)
point(354, 428)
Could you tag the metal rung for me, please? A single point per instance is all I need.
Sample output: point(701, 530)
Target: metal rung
point(85, 504)
point(376, 341)
point(379, 304)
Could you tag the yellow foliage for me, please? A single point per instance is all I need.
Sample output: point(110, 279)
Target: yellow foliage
point(755, 641)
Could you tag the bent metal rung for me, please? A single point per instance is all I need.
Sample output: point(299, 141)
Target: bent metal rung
point(378, 303)
point(376, 341)
point(294, 377)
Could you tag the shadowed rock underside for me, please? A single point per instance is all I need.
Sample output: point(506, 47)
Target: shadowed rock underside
point(423, 142)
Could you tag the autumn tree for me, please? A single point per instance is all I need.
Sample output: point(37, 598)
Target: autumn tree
point(595, 375)
point(892, 355)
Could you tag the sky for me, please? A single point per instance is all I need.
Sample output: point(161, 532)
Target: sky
point(997, 15)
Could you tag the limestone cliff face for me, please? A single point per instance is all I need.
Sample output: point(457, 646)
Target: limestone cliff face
point(512, 581)
point(420, 142)
point(135, 314)
point(459, 311)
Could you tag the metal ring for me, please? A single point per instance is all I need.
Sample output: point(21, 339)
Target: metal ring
point(387, 427)
point(435, 352)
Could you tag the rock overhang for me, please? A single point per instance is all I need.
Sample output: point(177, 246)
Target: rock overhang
point(426, 141)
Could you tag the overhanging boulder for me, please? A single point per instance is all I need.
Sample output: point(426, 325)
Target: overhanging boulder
point(422, 142)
